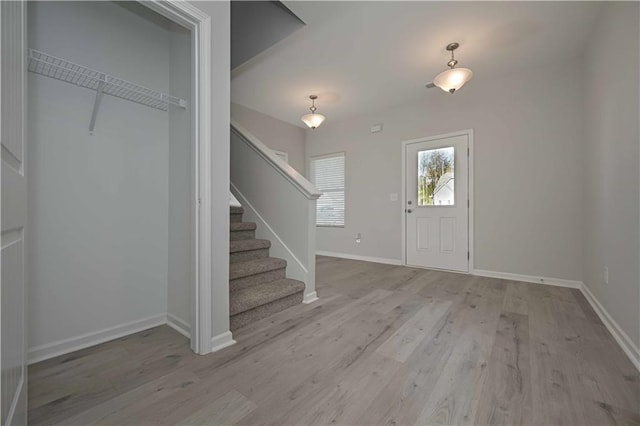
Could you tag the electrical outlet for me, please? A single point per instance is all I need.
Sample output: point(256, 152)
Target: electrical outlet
point(606, 275)
point(358, 238)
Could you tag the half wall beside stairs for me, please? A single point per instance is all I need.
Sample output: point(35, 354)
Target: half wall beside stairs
point(280, 200)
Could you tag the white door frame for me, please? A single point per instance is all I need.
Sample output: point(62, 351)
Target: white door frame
point(199, 23)
point(469, 134)
point(14, 405)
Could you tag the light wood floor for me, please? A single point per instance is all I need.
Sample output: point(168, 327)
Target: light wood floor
point(383, 345)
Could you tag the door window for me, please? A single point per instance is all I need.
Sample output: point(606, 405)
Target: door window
point(436, 177)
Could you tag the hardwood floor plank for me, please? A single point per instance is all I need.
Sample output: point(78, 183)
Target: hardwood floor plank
point(506, 394)
point(403, 342)
point(114, 410)
point(226, 410)
point(454, 396)
point(318, 368)
point(515, 299)
point(345, 402)
point(384, 344)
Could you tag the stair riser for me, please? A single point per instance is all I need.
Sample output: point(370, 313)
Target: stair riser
point(242, 235)
point(255, 314)
point(244, 256)
point(253, 280)
point(235, 217)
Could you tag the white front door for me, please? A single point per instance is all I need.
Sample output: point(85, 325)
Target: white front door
point(437, 202)
point(13, 213)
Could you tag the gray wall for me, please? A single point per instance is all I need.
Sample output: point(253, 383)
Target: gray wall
point(180, 260)
point(528, 180)
point(258, 25)
point(98, 204)
point(611, 198)
point(274, 133)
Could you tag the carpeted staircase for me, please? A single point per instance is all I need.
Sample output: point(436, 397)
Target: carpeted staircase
point(258, 286)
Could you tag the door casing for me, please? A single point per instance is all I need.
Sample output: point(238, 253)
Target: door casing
point(469, 134)
point(199, 23)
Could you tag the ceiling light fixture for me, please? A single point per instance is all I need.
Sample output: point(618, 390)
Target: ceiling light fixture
point(313, 120)
point(453, 78)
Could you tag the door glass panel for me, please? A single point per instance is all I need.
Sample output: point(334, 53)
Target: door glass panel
point(436, 177)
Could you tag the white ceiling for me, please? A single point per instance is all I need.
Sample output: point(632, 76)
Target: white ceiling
point(364, 56)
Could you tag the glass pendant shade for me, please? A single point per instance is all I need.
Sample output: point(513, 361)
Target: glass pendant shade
point(452, 79)
point(313, 120)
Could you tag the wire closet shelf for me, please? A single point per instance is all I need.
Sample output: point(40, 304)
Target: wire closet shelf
point(61, 69)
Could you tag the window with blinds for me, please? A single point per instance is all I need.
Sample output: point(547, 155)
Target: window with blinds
point(327, 174)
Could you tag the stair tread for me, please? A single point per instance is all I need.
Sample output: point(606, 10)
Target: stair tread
point(236, 210)
point(252, 297)
point(242, 226)
point(248, 245)
point(254, 267)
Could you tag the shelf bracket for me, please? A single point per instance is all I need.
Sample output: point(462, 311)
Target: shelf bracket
point(96, 105)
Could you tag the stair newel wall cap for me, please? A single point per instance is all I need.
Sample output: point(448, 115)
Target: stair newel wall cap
point(292, 175)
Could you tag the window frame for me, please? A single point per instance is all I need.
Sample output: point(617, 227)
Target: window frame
point(310, 167)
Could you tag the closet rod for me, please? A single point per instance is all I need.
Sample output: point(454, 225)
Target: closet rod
point(67, 71)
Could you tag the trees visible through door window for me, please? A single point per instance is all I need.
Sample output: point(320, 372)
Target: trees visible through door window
point(436, 177)
point(327, 174)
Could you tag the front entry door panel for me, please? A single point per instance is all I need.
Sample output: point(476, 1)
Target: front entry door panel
point(437, 208)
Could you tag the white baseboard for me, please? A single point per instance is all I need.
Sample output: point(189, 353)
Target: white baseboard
point(528, 278)
point(61, 347)
point(310, 298)
point(358, 257)
point(221, 341)
point(628, 346)
point(179, 325)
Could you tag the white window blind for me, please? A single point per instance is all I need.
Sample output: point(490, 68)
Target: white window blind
point(327, 174)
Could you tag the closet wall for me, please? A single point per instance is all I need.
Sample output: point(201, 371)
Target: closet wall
point(100, 204)
point(180, 181)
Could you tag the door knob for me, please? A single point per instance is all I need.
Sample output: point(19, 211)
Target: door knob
point(409, 210)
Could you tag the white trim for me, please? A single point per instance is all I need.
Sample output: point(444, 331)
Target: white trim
point(233, 201)
point(199, 23)
point(310, 297)
point(284, 155)
point(221, 341)
point(558, 282)
point(628, 346)
point(358, 257)
point(470, 193)
point(179, 325)
point(292, 175)
point(272, 234)
point(61, 347)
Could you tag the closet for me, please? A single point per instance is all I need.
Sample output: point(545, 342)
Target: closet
point(111, 176)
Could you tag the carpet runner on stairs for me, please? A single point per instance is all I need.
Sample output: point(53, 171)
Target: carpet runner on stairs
point(258, 286)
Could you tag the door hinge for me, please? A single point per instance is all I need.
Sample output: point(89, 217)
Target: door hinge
point(468, 255)
point(468, 203)
point(467, 152)
point(198, 202)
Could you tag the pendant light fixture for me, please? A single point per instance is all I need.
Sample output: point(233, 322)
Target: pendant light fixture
point(313, 120)
point(453, 78)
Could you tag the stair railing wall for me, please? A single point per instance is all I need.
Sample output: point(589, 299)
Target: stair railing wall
point(282, 202)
